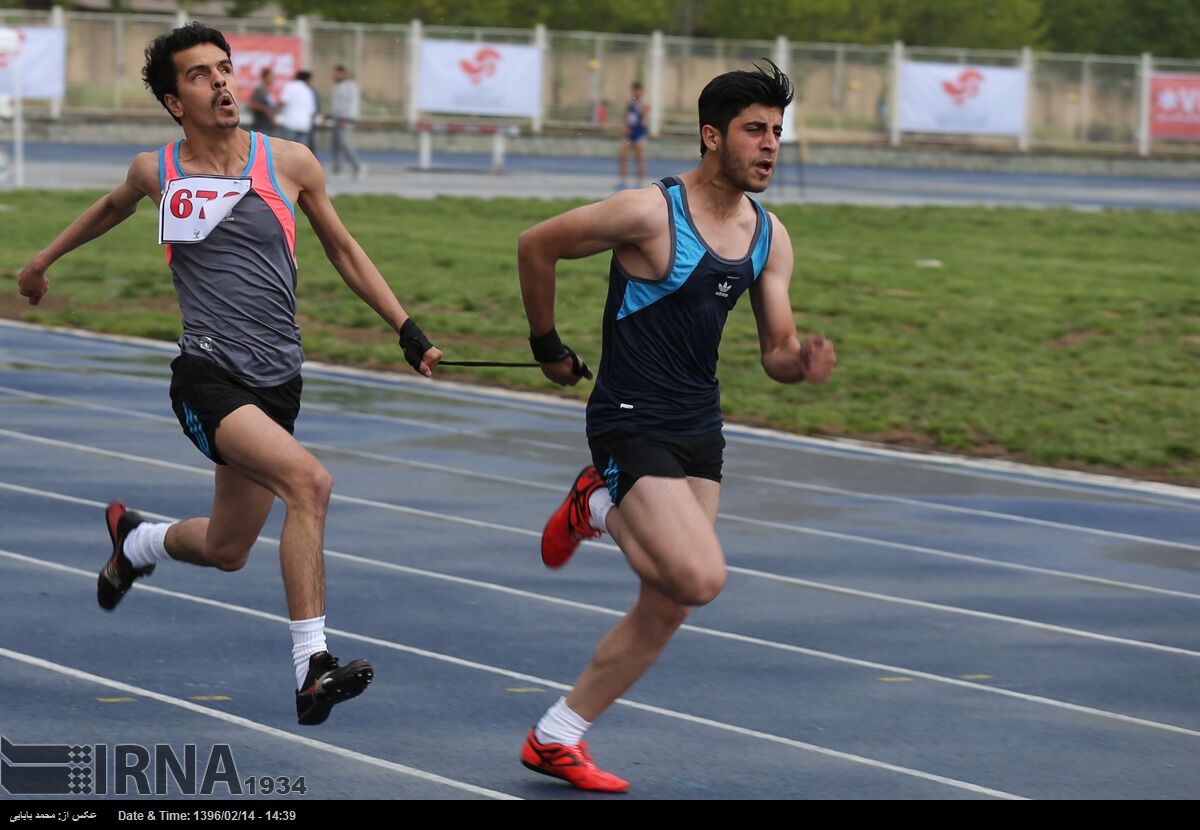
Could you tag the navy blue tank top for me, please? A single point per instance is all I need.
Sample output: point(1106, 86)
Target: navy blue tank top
point(658, 365)
point(635, 122)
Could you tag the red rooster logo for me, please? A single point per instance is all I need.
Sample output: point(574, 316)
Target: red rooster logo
point(4, 59)
point(483, 66)
point(967, 86)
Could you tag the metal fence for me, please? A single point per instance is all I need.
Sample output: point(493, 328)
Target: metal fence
point(1076, 101)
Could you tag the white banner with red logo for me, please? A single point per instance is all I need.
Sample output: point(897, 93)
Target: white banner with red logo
point(480, 78)
point(955, 98)
point(1175, 106)
point(254, 53)
point(43, 58)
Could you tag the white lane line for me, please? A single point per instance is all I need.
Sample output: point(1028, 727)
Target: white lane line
point(763, 480)
point(710, 632)
point(844, 448)
point(802, 529)
point(431, 426)
point(412, 511)
point(960, 557)
point(312, 445)
point(968, 612)
point(436, 427)
point(541, 681)
point(81, 404)
point(255, 726)
point(970, 511)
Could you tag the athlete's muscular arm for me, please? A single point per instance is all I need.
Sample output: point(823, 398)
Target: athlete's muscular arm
point(784, 357)
point(343, 250)
point(109, 211)
point(626, 218)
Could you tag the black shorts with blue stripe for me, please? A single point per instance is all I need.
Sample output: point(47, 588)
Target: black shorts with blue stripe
point(203, 393)
point(624, 456)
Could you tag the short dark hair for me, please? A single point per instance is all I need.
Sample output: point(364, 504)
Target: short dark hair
point(727, 95)
point(159, 71)
point(304, 75)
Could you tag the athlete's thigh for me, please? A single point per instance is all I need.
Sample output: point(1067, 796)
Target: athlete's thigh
point(263, 451)
point(240, 509)
point(671, 524)
point(708, 494)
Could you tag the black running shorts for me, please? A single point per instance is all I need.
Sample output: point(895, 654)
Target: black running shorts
point(622, 457)
point(202, 394)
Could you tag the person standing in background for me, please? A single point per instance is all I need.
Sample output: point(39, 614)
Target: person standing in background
point(298, 109)
point(344, 109)
point(636, 113)
point(263, 103)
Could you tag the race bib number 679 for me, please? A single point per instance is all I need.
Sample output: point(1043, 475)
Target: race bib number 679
point(193, 206)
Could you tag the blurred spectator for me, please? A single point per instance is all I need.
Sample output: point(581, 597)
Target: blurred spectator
point(263, 103)
point(636, 112)
point(298, 109)
point(344, 111)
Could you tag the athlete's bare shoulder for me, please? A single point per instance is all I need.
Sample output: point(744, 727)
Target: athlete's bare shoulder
point(143, 174)
point(642, 212)
point(141, 181)
point(777, 227)
point(780, 257)
point(296, 165)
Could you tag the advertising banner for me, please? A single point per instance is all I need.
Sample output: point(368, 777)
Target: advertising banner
point(955, 98)
point(473, 78)
point(43, 58)
point(254, 53)
point(1175, 106)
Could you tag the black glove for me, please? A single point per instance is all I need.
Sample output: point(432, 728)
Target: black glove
point(548, 348)
point(414, 343)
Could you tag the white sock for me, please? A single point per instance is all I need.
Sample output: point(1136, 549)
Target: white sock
point(146, 544)
point(599, 503)
point(308, 638)
point(561, 726)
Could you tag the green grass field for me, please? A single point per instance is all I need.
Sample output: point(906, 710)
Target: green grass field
point(1046, 336)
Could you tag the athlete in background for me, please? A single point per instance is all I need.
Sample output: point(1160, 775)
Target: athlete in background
point(636, 113)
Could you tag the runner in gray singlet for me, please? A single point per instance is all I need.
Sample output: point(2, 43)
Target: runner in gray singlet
point(236, 385)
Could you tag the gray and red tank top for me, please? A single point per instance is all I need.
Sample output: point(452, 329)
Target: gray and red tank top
point(237, 287)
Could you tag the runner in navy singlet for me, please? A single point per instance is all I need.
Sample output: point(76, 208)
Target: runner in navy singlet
point(684, 252)
point(227, 203)
point(636, 112)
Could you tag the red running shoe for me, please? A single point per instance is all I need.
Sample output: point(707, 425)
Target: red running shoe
point(118, 574)
point(572, 764)
point(571, 523)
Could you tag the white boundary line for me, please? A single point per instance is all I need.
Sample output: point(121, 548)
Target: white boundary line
point(960, 557)
point(254, 726)
point(413, 511)
point(969, 511)
point(803, 443)
point(528, 678)
point(801, 529)
point(612, 612)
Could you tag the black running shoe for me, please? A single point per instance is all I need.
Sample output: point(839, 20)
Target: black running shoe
point(326, 684)
point(118, 574)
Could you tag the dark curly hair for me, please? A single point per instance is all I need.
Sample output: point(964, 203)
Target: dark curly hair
point(727, 95)
point(159, 72)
